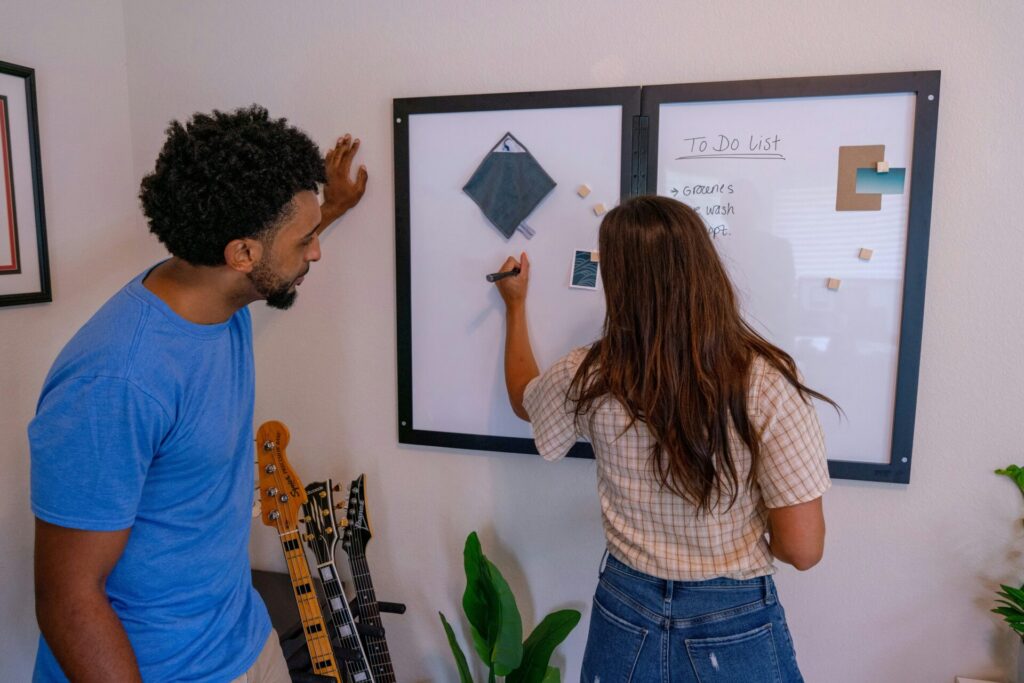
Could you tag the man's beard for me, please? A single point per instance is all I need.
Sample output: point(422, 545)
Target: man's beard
point(275, 291)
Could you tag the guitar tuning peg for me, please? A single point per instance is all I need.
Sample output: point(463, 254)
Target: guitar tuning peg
point(310, 537)
point(329, 531)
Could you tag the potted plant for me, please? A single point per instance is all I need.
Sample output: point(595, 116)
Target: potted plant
point(1010, 603)
point(497, 628)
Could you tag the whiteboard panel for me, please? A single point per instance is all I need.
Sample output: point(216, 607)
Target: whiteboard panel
point(457, 317)
point(775, 223)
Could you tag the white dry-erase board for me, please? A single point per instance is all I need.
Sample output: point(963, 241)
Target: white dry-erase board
point(816, 191)
point(451, 320)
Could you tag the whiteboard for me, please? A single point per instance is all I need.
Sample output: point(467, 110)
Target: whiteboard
point(456, 319)
point(838, 284)
point(782, 238)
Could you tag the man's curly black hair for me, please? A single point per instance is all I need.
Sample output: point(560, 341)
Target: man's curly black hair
point(225, 176)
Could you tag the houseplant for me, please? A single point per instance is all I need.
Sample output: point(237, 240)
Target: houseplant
point(497, 628)
point(1010, 605)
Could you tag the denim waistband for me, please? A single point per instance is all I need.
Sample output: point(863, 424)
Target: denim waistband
point(668, 586)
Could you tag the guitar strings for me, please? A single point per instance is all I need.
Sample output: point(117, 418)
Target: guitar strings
point(372, 611)
point(333, 590)
point(314, 645)
point(361, 571)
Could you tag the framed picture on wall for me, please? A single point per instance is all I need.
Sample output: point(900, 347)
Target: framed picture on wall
point(24, 265)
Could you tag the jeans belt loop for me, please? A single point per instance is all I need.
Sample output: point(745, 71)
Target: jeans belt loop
point(769, 591)
point(604, 562)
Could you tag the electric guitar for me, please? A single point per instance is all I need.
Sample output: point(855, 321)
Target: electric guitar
point(356, 536)
point(281, 495)
point(322, 538)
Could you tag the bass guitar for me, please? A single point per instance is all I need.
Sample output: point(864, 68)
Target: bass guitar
point(281, 496)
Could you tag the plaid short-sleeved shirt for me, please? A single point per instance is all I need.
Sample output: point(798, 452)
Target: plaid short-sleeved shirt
point(656, 531)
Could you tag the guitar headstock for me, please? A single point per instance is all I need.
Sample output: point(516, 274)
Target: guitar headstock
point(321, 530)
point(357, 528)
point(281, 492)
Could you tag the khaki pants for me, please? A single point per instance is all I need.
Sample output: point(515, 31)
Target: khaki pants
point(269, 667)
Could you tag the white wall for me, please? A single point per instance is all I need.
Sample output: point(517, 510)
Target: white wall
point(78, 52)
point(904, 591)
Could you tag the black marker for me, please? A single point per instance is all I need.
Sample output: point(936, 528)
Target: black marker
point(494, 277)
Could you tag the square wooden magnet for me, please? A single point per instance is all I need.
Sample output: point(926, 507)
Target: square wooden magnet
point(833, 283)
point(599, 209)
point(865, 254)
point(583, 190)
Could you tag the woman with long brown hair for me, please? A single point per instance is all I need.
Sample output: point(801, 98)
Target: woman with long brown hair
point(710, 456)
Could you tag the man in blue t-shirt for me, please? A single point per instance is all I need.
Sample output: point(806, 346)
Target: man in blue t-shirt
point(142, 444)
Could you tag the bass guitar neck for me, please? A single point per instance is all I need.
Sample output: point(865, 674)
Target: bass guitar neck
point(281, 495)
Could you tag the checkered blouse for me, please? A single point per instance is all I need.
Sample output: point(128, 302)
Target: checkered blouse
point(657, 532)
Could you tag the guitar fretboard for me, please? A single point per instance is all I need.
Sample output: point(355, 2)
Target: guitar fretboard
point(369, 611)
point(317, 639)
point(344, 625)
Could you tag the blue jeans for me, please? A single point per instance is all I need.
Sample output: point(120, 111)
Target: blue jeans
point(648, 630)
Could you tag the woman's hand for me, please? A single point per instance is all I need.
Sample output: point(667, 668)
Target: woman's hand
point(513, 288)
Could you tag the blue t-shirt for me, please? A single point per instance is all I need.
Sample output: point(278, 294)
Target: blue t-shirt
point(145, 421)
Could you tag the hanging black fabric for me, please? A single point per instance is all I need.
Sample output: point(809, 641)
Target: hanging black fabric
point(508, 185)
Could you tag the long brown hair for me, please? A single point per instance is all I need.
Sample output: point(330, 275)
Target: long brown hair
point(675, 351)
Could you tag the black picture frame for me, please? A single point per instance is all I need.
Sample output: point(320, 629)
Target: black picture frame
point(628, 98)
point(40, 292)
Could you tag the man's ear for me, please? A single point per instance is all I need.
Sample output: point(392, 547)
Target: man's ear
point(243, 254)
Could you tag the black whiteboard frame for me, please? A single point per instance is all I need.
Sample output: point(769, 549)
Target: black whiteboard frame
point(639, 175)
point(629, 98)
point(925, 85)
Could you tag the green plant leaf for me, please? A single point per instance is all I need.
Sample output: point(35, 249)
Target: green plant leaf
point(460, 659)
point(552, 676)
point(495, 624)
point(541, 644)
point(1015, 473)
point(474, 599)
point(1011, 618)
point(479, 598)
point(1009, 608)
point(481, 646)
point(1015, 595)
point(506, 625)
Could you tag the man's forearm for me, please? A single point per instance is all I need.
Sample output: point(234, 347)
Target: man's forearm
point(87, 638)
point(520, 366)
